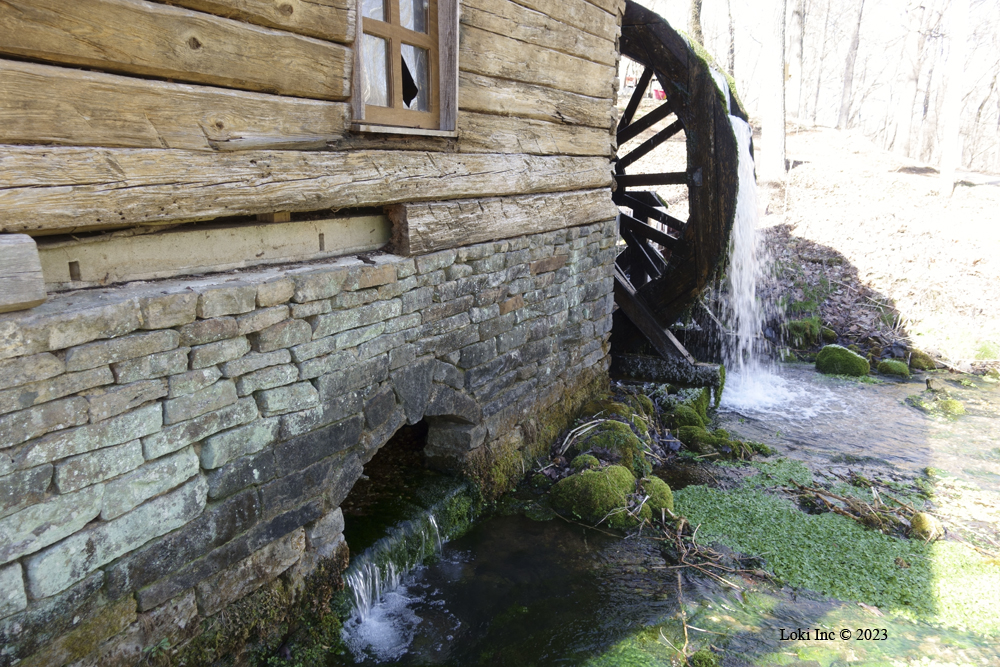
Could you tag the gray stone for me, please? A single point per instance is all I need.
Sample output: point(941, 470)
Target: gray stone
point(325, 531)
point(120, 349)
point(219, 449)
point(418, 299)
point(514, 338)
point(403, 323)
point(23, 370)
point(335, 409)
point(449, 375)
point(497, 326)
point(128, 492)
point(342, 320)
point(413, 387)
point(275, 292)
point(346, 300)
point(324, 365)
point(364, 277)
point(287, 399)
point(220, 352)
point(445, 439)
point(168, 310)
point(402, 356)
point(266, 378)
point(355, 337)
point(12, 596)
point(316, 348)
point(84, 470)
point(254, 361)
point(209, 331)
point(301, 311)
point(44, 391)
point(181, 435)
point(151, 367)
point(380, 407)
point(24, 487)
point(452, 404)
point(361, 375)
point(405, 268)
point(40, 525)
point(170, 554)
point(375, 438)
point(192, 381)
point(478, 353)
point(65, 321)
point(443, 326)
point(107, 403)
point(435, 261)
point(209, 399)
point(304, 450)
point(60, 566)
point(24, 425)
point(456, 271)
point(320, 284)
point(262, 319)
point(241, 473)
point(114, 431)
point(281, 335)
point(332, 477)
point(228, 299)
point(250, 574)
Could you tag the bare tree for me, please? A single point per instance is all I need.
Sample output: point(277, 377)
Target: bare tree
point(954, 92)
point(694, 22)
point(822, 57)
point(772, 164)
point(852, 55)
point(793, 92)
point(731, 55)
point(909, 76)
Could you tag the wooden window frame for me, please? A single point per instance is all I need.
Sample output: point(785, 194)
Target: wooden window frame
point(441, 42)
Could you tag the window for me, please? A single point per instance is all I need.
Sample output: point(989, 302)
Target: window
point(406, 66)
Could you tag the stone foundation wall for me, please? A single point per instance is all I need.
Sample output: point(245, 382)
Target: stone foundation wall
point(168, 448)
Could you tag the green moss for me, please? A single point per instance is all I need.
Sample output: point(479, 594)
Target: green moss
point(697, 439)
point(584, 462)
point(722, 385)
point(837, 360)
point(828, 335)
point(778, 473)
point(540, 481)
point(925, 527)
point(703, 658)
point(804, 332)
point(893, 367)
point(950, 406)
point(660, 495)
point(642, 404)
point(619, 438)
point(921, 361)
point(686, 416)
point(596, 496)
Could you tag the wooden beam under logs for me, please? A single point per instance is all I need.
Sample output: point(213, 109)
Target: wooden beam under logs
point(638, 312)
point(323, 19)
point(46, 190)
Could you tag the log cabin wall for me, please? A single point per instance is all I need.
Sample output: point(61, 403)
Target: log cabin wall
point(168, 448)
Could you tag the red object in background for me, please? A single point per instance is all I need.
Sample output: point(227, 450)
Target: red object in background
point(659, 95)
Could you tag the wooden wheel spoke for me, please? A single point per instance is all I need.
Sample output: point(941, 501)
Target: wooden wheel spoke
point(650, 259)
point(633, 102)
point(648, 232)
point(664, 178)
point(633, 130)
point(649, 145)
point(646, 210)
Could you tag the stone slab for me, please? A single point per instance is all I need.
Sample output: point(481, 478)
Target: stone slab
point(86, 636)
point(246, 471)
point(213, 397)
point(219, 449)
point(151, 367)
point(226, 299)
point(120, 349)
point(12, 596)
point(21, 426)
point(84, 470)
point(126, 493)
point(281, 335)
point(255, 361)
point(183, 384)
point(304, 450)
point(261, 319)
point(290, 398)
point(44, 391)
point(24, 487)
point(183, 434)
point(275, 292)
point(113, 401)
point(163, 311)
point(38, 526)
point(266, 378)
point(15, 372)
point(219, 353)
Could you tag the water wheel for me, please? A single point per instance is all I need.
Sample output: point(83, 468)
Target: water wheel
point(669, 259)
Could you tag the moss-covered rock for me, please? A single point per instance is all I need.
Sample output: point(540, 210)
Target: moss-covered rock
point(893, 367)
point(585, 462)
point(921, 361)
point(618, 438)
point(704, 658)
point(828, 335)
point(686, 416)
point(540, 481)
point(597, 495)
point(608, 408)
point(925, 527)
point(697, 439)
point(803, 333)
point(837, 360)
point(660, 495)
point(642, 404)
point(950, 406)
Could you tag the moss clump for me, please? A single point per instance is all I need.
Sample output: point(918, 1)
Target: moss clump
point(584, 462)
point(597, 495)
point(837, 360)
point(921, 361)
point(925, 527)
point(828, 335)
point(893, 367)
point(642, 404)
point(660, 495)
point(950, 406)
point(618, 437)
point(697, 439)
point(703, 658)
point(804, 332)
point(608, 408)
point(686, 416)
point(540, 481)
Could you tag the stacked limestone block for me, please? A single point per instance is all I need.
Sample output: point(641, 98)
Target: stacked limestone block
point(167, 448)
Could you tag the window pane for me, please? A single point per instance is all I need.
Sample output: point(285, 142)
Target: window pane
point(374, 71)
point(373, 9)
point(413, 15)
point(415, 64)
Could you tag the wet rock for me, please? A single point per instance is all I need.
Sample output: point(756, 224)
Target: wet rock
point(926, 527)
point(893, 367)
point(598, 495)
point(936, 385)
point(618, 438)
point(660, 495)
point(837, 360)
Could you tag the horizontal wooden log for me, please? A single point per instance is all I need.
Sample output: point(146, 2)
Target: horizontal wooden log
point(426, 227)
point(42, 104)
point(323, 19)
point(46, 190)
point(613, 7)
point(533, 27)
point(21, 282)
point(490, 54)
point(149, 39)
point(578, 14)
point(523, 100)
point(483, 133)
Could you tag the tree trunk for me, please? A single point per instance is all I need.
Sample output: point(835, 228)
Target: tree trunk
point(795, 43)
point(909, 77)
point(694, 22)
point(954, 90)
point(772, 164)
point(731, 55)
point(822, 57)
point(852, 55)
